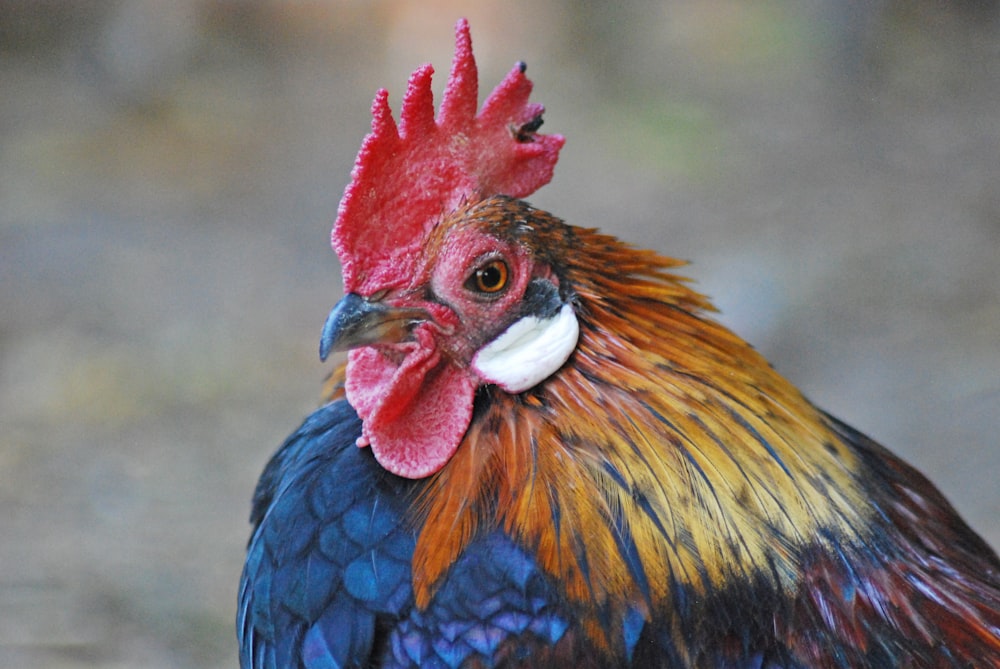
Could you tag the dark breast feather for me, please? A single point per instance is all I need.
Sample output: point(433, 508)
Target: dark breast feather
point(918, 589)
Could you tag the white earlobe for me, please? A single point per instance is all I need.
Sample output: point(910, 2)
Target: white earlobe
point(529, 351)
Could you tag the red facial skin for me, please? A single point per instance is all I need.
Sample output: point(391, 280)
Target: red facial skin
point(416, 397)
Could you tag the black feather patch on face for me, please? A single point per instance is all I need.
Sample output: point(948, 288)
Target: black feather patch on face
point(541, 299)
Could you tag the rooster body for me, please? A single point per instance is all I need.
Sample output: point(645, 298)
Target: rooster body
point(543, 452)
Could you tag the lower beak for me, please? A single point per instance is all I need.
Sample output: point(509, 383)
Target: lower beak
point(356, 321)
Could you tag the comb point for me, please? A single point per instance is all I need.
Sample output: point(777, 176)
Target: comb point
point(461, 93)
point(417, 113)
point(510, 94)
point(383, 125)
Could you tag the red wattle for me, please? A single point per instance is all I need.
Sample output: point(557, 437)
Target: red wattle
point(414, 413)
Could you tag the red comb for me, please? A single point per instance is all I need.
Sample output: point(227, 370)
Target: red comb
point(406, 178)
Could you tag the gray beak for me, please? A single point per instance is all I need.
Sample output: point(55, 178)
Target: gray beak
point(356, 321)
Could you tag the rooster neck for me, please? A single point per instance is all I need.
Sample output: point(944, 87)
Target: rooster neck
point(666, 453)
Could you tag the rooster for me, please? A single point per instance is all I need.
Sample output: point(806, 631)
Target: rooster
point(543, 452)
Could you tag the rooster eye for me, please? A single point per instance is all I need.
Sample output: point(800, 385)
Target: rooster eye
point(490, 278)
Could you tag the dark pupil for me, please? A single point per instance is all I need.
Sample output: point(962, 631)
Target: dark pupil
point(490, 277)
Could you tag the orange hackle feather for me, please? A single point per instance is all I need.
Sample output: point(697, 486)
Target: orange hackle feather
point(553, 466)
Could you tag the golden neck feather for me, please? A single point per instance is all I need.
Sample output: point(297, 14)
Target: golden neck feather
point(666, 451)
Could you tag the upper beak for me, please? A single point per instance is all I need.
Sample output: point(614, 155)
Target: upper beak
point(356, 321)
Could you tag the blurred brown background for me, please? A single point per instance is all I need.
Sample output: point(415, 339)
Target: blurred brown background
point(169, 173)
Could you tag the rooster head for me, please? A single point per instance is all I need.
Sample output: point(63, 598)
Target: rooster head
point(447, 287)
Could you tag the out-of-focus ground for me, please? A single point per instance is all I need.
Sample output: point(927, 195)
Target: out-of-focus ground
point(169, 173)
